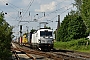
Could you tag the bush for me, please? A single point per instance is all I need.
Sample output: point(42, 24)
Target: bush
point(79, 44)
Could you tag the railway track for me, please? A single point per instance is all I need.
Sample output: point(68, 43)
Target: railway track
point(20, 55)
point(30, 52)
point(72, 56)
point(53, 55)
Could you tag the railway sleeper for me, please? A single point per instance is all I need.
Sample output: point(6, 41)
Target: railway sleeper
point(16, 56)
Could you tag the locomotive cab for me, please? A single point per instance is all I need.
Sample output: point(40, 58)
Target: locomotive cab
point(42, 39)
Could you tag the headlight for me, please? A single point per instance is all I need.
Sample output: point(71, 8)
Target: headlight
point(39, 41)
point(51, 37)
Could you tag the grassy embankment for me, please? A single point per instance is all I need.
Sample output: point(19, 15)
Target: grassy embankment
point(82, 45)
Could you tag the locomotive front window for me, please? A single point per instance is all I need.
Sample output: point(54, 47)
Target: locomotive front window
point(45, 33)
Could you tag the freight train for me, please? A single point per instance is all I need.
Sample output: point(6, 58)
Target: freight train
point(22, 40)
point(41, 39)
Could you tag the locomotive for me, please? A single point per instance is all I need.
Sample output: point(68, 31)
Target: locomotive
point(41, 39)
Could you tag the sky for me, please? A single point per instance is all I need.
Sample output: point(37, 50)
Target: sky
point(29, 13)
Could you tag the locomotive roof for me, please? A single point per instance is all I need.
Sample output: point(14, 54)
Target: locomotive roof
point(44, 30)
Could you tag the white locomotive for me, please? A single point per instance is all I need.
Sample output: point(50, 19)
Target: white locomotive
point(41, 39)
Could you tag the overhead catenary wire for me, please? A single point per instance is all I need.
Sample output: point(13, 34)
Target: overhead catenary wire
point(28, 7)
point(26, 12)
point(42, 16)
point(57, 10)
point(44, 12)
point(17, 7)
point(1, 10)
point(61, 13)
point(10, 5)
point(56, 15)
point(54, 11)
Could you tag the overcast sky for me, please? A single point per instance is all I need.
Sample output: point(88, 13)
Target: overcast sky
point(34, 9)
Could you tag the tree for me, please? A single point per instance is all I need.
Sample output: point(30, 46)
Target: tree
point(85, 13)
point(83, 6)
point(72, 27)
point(33, 30)
point(78, 4)
point(5, 38)
point(48, 27)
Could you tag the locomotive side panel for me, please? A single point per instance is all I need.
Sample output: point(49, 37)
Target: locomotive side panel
point(42, 39)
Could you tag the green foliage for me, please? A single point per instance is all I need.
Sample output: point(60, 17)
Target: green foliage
point(72, 27)
point(78, 4)
point(5, 38)
point(85, 12)
point(25, 34)
point(48, 27)
point(33, 30)
point(79, 44)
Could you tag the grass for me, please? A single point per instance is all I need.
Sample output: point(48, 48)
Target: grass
point(82, 45)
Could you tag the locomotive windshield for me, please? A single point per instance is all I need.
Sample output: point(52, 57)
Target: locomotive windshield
point(45, 33)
